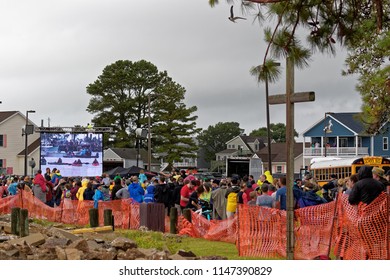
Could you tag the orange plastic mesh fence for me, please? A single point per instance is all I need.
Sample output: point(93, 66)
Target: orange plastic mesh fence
point(38, 209)
point(69, 213)
point(222, 230)
point(134, 215)
point(9, 202)
point(261, 232)
point(363, 231)
point(358, 232)
point(313, 230)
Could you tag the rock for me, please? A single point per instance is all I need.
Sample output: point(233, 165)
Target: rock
point(185, 254)
point(6, 227)
point(100, 255)
point(4, 238)
point(212, 258)
point(99, 241)
point(123, 243)
point(153, 254)
point(94, 246)
point(132, 254)
point(24, 248)
point(35, 239)
point(6, 246)
point(45, 254)
point(177, 257)
point(148, 253)
point(12, 253)
point(61, 254)
point(53, 242)
point(63, 234)
point(80, 244)
point(73, 254)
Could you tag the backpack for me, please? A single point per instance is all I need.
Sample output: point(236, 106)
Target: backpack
point(310, 199)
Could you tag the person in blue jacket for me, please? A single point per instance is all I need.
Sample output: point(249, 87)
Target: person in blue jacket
point(98, 196)
point(136, 191)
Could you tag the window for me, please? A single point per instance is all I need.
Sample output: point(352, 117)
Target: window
point(343, 142)
point(233, 146)
point(360, 141)
point(278, 169)
point(2, 140)
point(2, 163)
point(385, 143)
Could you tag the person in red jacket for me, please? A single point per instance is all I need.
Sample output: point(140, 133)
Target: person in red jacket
point(39, 187)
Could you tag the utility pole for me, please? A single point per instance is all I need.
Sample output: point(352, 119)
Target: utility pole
point(149, 136)
point(289, 99)
point(27, 130)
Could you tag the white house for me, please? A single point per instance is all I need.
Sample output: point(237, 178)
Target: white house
point(12, 144)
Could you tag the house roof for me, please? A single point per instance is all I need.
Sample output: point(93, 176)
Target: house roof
point(351, 120)
point(131, 153)
point(32, 147)
point(279, 152)
point(252, 139)
point(227, 151)
point(6, 114)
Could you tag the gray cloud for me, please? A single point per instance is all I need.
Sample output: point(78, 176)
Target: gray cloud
point(52, 50)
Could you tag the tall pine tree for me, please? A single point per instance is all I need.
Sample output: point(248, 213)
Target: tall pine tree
point(173, 124)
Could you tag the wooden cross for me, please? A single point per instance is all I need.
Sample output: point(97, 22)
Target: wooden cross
point(289, 99)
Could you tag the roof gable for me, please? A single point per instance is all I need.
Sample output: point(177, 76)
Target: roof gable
point(279, 152)
point(6, 115)
point(342, 124)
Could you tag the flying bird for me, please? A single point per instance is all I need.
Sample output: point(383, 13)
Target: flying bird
point(232, 17)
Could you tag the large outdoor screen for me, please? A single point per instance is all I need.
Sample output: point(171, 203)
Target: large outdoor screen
point(74, 154)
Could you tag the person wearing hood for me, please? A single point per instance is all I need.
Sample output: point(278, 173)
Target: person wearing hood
point(231, 197)
point(218, 196)
point(367, 188)
point(80, 191)
point(150, 190)
point(136, 191)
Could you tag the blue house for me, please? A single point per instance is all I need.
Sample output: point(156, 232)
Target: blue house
point(343, 135)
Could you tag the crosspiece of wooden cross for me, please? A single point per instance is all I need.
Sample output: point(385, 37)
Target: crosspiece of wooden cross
point(295, 98)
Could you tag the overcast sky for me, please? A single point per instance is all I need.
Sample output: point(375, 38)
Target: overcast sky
point(52, 49)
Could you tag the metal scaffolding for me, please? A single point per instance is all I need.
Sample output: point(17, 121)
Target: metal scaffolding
point(75, 129)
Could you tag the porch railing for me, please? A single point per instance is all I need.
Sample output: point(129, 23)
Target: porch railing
point(332, 151)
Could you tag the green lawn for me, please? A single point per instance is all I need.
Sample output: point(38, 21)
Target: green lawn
point(200, 247)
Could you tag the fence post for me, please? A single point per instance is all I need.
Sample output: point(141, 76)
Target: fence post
point(94, 217)
point(107, 214)
point(187, 214)
point(173, 220)
point(15, 220)
point(24, 229)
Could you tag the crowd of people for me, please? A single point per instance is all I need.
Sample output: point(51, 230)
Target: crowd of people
point(182, 190)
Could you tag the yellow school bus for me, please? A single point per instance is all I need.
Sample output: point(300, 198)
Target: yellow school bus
point(322, 168)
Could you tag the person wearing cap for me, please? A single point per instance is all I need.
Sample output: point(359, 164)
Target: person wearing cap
point(366, 189)
point(379, 175)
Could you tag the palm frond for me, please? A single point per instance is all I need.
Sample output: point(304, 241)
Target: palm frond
point(269, 71)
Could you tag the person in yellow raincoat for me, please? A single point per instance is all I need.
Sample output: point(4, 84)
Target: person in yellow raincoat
point(265, 177)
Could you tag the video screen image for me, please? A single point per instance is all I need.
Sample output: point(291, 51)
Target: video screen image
point(72, 153)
